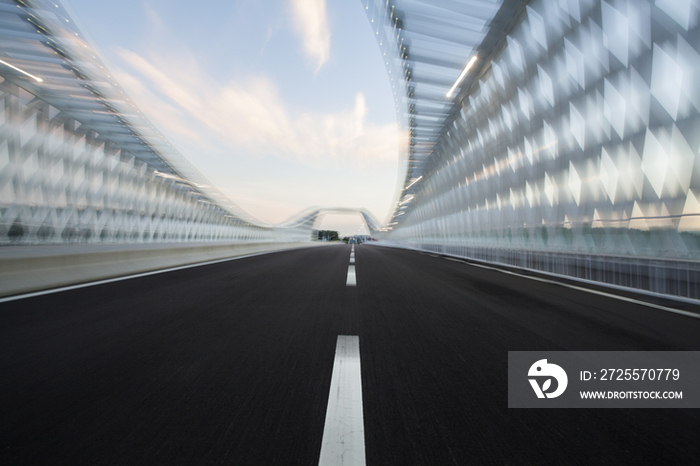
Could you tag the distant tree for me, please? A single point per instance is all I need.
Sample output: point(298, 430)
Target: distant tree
point(328, 235)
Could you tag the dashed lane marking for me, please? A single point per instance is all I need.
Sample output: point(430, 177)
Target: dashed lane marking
point(352, 280)
point(344, 431)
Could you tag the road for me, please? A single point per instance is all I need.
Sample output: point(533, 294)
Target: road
point(231, 363)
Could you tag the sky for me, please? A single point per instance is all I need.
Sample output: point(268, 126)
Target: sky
point(282, 105)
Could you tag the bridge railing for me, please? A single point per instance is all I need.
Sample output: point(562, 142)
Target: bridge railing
point(574, 150)
point(80, 163)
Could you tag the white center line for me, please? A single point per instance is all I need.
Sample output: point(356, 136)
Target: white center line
point(352, 280)
point(352, 257)
point(344, 432)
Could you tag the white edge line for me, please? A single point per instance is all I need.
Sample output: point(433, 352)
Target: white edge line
point(573, 287)
point(128, 277)
point(588, 290)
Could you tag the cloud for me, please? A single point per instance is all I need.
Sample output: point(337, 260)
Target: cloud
point(145, 98)
point(251, 115)
point(311, 22)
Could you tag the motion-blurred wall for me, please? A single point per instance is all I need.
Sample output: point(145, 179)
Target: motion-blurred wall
point(576, 149)
point(79, 162)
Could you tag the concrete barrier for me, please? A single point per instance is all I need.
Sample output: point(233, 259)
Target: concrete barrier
point(25, 269)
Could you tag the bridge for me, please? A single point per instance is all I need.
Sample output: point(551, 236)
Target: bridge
point(548, 201)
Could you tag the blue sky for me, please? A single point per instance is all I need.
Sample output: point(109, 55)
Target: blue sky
point(282, 104)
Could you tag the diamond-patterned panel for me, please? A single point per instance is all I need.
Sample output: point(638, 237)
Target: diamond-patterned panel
point(582, 136)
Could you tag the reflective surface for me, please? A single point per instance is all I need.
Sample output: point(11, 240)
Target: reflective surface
point(581, 136)
point(78, 159)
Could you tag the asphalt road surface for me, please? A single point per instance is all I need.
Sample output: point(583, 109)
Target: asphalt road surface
point(231, 364)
